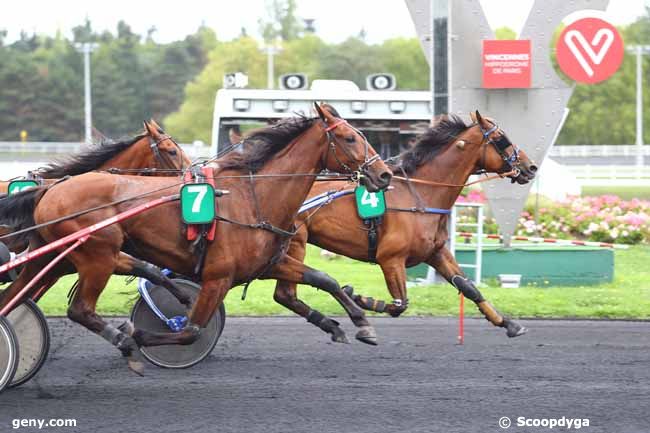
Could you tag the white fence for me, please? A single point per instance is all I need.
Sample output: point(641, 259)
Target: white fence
point(17, 148)
point(611, 175)
point(602, 150)
point(587, 175)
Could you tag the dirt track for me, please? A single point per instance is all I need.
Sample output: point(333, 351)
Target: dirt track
point(283, 375)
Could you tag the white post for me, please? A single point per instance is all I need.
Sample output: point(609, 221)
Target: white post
point(479, 246)
point(639, 50)
point(87, 95)
point(86, 48)
point(639, 109)
point(271, 49)
point(432, 72)
point(270, 73)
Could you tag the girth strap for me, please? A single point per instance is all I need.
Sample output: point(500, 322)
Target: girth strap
point(373, 237)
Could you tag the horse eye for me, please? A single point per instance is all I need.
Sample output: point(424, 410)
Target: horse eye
point(172, 152)
point(350, 139)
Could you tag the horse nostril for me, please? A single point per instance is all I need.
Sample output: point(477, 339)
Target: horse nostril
point(533, 168)
point(386, 177)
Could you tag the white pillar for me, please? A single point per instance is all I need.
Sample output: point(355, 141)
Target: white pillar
point(639, 107)
point(87, 95)
point(86, 48)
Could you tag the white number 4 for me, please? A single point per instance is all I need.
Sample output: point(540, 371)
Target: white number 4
point(369, 198)
point(201, 191)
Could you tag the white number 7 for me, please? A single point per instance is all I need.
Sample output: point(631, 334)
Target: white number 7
point(201, 191)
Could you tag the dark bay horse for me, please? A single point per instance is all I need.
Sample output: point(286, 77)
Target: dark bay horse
point(446, 156)
point(267, 181)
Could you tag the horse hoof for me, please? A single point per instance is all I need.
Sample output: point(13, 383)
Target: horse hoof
point(367, 335)
point(136, 366)
point(127, 327)
point(514, 329)
point(338, 336)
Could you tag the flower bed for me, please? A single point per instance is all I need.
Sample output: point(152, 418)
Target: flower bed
point(605, 218)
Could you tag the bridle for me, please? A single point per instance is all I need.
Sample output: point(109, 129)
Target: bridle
point(162, 161)
point(501, 144)
point(332, 140)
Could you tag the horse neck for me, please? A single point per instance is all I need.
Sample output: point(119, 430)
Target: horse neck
point(280, 198)
point(136, 156)
point(452, 167)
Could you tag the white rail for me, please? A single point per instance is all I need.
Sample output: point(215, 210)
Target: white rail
point(17, 148)
point(603, 150)
point(613, 175)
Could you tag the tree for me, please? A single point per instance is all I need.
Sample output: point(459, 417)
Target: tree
point(281, 21)
point(351, 60)
point(193, 121)
point(505, 33)
point(404, 58)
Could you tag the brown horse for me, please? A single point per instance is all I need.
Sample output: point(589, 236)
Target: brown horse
point(152, 149)
point(444, 157)
point(267, 181)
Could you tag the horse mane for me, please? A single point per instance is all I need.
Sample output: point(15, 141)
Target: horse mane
point(88, 159)
point(429, 144)
point(259, 145)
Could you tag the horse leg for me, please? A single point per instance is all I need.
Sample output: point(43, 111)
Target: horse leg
point(28, 272)
point(295, 271)
point(92, 280)
point(128, 265)
point(285, 294)
point(445, 264)
point(395, 276)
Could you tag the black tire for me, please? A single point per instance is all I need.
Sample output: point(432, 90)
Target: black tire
point(33, 334)
point(176, 356)
point(9, 353)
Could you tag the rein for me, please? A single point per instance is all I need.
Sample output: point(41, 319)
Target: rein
point(459, 185)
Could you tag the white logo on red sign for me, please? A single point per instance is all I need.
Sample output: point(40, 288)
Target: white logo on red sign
point(590, 50)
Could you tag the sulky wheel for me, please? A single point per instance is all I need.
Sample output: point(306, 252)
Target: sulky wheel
point(8, 353)
point(33, 334)
point(175, 356)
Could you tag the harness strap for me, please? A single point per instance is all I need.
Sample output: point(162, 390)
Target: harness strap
point(425, 210)
point(454, 185)
point(372, 224)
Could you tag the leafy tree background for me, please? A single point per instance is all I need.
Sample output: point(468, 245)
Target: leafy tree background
point(135, 78)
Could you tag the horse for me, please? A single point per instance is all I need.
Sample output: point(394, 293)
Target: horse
point(267, 182)
point(433, 173)
point(151, 149)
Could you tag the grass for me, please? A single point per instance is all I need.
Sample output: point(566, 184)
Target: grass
point(624, 192)
point(628, 296)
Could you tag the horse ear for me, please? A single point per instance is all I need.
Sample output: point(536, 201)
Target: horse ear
point(155, 124)
point(320, 112)
point(472, 116)
point(479, 118)
point(147, 127)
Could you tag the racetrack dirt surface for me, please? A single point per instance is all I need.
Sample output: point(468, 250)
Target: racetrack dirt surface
point(284, 375)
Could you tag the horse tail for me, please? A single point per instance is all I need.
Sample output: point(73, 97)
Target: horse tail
point(17, 210)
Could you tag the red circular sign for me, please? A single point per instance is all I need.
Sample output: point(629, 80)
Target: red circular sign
point(590, 50)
